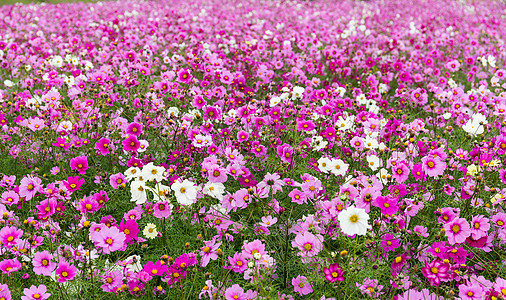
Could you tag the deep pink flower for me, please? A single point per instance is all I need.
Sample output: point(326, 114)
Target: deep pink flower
point(103, 146)
point(161, 209)
point(9, 235)
point(80, 164)
point(73, 183)
point(130, 228)
point(134, 129)
point(131, 143)
point(9, 266)
point(65, 271)
point(389, 242)
point(387, 204)
point(155, 269)
point(436, 272)
point(334, 273)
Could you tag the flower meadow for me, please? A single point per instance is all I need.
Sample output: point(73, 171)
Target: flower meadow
point(253, 149)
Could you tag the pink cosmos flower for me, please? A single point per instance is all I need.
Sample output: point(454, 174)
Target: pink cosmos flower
point(389, 242)
point(9, 198)
point(73, 183)
point(271, 181)
point(155, 269)
point(9, 235)
point(251, 248)
point(161, 209)
point(297, 196)
point(134, 129)
point(112, 281)
point(208, 252)
point(433, 166)
point(131, 143)
point(117, 180)
point(301, 285)
point(308, 244)
point(29, 186)
point(436, 272)
point(334, 273)
point(479, 226)
point(400, 172)
point(238, 263)
point(109, 239)
point(9, 266)
point(470, 291)
point(457, 230)
point(35, 293)
point(42, 264)
point(62, 143)
point(65, 271)
point(103, 146)
point(130, 228)
point(235, 292)
point(387, 205)
point(217, 174)
point(80, 164)
point(370, 287)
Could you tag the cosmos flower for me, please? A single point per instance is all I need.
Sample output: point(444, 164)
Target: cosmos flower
point(353, 221)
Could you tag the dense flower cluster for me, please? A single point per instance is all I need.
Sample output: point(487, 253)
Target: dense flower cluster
point(253, 149)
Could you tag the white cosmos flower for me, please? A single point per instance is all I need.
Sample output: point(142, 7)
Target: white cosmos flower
point(353, 221)
point(214, 189)
point(150, 231)
point(159, 192)
point(339, 167)
point(132, 173)
point(138, 191)
point(186, 191)
point(151, 172)
point(374, 162)
point(324, 164)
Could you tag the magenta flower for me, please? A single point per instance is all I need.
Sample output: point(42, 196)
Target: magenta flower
point(73, 183)
point(400, 172)
point(334, 273)
point(387, 204)
point(457, 231)
point(235, 292)
point(208, 252)
point(305, 125)
point(130, 228)
point(35, 293)
point(389, 242)
point(308, 244)
point(103, 146)
point(436, 272)
point(65, 271)
point(9, 235)
point(155, 269)
point(79, 164)
point(109, 239)
point(9, 266)
point(112, 281)
point(134, 129)
point(301, 285)
point(42, 264)
point(131, 143)
point(62, 143)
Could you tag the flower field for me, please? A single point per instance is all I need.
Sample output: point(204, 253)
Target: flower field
point(253, 149)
